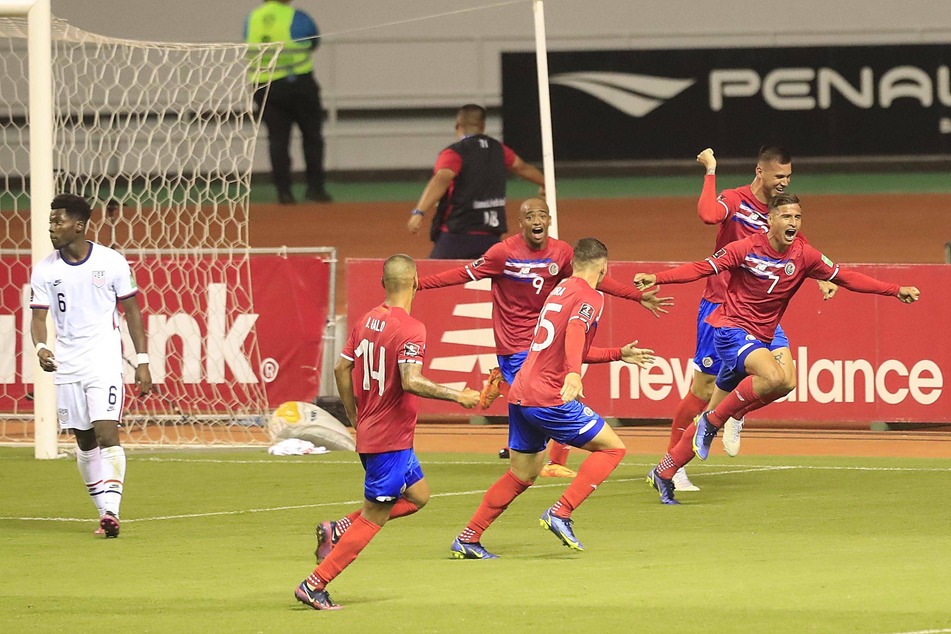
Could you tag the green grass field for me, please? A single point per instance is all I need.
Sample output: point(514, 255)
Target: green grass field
point(216, 542)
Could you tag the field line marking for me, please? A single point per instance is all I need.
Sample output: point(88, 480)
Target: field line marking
point(715, 470)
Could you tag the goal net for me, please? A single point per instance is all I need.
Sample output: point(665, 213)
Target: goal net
point(159, 138)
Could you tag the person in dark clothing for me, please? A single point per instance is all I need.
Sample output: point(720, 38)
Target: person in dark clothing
point(468, 183)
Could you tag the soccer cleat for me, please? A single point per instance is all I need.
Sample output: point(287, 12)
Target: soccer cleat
point(731, 436)
point(553, 470)
point(466, 550)
point(317, 599)
point(682, 482)
point(561, 527)
point(109, 523)
point(664, 486)
point(325, 540)
point(703, 437)
point(491, 390)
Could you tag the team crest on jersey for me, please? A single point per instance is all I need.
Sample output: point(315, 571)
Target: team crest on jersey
point(790, 268)
point(553, 268)
point(411, 349)
point(586, 311)
point(98, 278)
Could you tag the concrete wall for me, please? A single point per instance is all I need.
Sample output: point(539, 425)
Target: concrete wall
point(391, 77)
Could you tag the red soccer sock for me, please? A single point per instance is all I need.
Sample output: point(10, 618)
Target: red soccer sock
point(353, 541)
point(558, 453)
point(494, 502)
point(689, 408)
point(680, 455)
point(402, 508)
point(593, 471)
point(742, 398)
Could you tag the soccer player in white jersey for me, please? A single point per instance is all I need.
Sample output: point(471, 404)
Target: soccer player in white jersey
point(82, 282)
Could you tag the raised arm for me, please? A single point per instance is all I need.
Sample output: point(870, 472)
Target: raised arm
point(710, 210)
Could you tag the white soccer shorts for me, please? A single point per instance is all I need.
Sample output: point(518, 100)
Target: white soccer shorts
point(80, 403)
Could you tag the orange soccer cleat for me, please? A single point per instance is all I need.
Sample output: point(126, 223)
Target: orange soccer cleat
point(492, 389)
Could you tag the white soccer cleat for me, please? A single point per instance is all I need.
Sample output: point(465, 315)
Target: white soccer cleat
point(682, 482)
point(731, 436)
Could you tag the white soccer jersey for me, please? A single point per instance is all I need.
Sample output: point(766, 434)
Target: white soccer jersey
point(83, 298)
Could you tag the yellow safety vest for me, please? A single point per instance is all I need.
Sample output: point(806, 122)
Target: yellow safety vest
point(271, 22)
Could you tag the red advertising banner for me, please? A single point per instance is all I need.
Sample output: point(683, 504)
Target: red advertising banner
point(859, 357)
point(225, 332)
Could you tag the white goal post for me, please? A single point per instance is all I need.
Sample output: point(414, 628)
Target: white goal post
point(159, 137)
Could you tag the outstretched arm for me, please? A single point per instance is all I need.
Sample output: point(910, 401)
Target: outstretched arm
point(411, 375)
point(452, 277)
point(861, 283)
point(648, 300)
point(678, 275)
point(641, 357)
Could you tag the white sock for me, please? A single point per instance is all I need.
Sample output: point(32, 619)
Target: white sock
point(90, 469)
point(113, 475)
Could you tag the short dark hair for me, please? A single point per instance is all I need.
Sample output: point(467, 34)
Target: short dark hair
point(773, 154)
point(780, 200)
point(74, 206)
point(471, 116)
point(589, 250)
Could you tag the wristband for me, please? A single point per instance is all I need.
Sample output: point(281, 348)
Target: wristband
point(41, 346)
point(141, 358)
point(417, 212)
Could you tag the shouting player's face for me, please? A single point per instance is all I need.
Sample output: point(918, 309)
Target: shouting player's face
point(784, 225)
point(534, 220)
point(64, 228)
point(775, 177)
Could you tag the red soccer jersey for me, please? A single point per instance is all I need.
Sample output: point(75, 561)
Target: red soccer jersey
point(745, 216)
point(539, 382)
point(386, 415)
point(521, 280)
point(764, 281)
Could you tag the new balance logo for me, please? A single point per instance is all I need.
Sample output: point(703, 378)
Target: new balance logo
point(634, 95)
